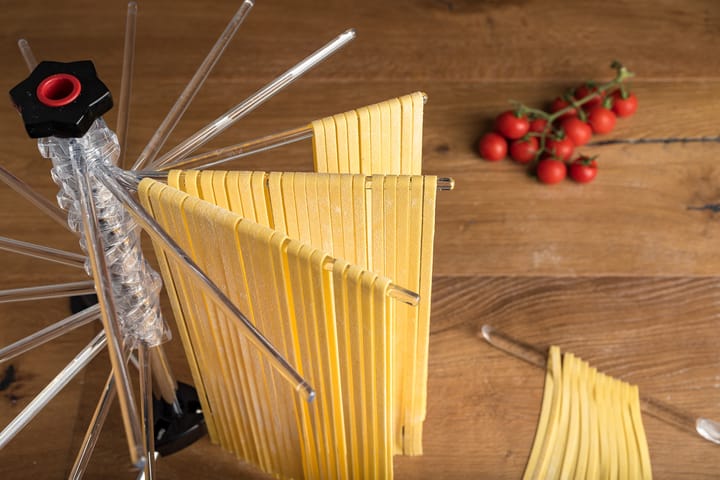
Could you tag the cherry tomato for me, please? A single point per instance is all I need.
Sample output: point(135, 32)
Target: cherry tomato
point(624, 107)
point(551, 171)
point(524, 150)
point(586, 90)
point(492, 147)
point(560, 149)
point(583, 169)
point(558, 104)
point(538, 125)
point(511, 126)
point(601, 120)
point(576, 130)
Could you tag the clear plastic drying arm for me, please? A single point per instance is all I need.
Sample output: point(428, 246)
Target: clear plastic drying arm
point(191, 89)
point(27, 54)
point(706, 428)
point(42, 252)
point(52, 389)
point(58, 290)
point(93, 432)
point(209, 132)
point(49, 333)
point(146, 408)
point(56, 213)
point(233, 152)
point(95, 249)
point(126, 81)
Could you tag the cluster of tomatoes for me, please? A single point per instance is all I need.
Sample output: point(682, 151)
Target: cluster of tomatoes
point(546, 141)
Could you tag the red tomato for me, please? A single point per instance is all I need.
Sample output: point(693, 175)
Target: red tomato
point(511, 126)
point(492, 147)
point(538, 125)
point(583, 169)
point(560, 149)
point(551, 171)
point(624, 107)
point(524, 151)
point(601, 120)
point(576, 130)
point(585, 91)
point(558, 104)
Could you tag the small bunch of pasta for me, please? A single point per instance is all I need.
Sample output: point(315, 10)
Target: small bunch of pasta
point(590, 425)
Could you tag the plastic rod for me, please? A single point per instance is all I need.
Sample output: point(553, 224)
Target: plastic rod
point(50, 332)
point(58, 290)
point(404, 295)
point(42, 252)
point(27, 54)
point(93, 432)
point(706, 428)
point(52, 389)
point(170, 247)
point(240, 150)
point(233, 152)
point(54, 212)
point(210, 131)
point(123, 117)
point(141, 475)
point(128, 408)
point(191, 89)
point(131, 179)
point(146, 407)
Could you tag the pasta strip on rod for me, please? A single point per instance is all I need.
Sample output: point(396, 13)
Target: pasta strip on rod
point(168, 245)
point(352, 137)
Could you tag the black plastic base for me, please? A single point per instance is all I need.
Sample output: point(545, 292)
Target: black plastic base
point(173, 432)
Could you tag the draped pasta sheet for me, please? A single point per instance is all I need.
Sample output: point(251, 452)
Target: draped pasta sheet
point(590, 425)
point(308, 258)
point(383, 138)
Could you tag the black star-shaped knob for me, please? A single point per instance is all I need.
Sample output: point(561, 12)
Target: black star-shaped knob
point(61, 99)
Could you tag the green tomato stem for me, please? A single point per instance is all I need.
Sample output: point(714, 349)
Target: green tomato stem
point(621, 75)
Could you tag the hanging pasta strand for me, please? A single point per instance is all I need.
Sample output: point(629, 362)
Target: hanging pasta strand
point(383, 138)
point(332, 319)
point(589, 425)
point(383, 223)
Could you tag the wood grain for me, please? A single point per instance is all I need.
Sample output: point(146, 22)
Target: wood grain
point(622, 272)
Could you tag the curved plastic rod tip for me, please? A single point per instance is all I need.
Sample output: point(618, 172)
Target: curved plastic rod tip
point(486, 332)
point(708, 429)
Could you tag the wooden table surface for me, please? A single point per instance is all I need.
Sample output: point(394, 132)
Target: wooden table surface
point(622, 272)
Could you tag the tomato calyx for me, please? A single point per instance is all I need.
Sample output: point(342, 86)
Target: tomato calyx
point(586, 160)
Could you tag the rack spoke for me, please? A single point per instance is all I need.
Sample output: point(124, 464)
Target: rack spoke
point(191, 89)
point(95, 249)
point(42, 252)
point(48, 333)
point(52, 389)
point(204, 135)
point(126, 80)
point(56, 213)
point(42, 292)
